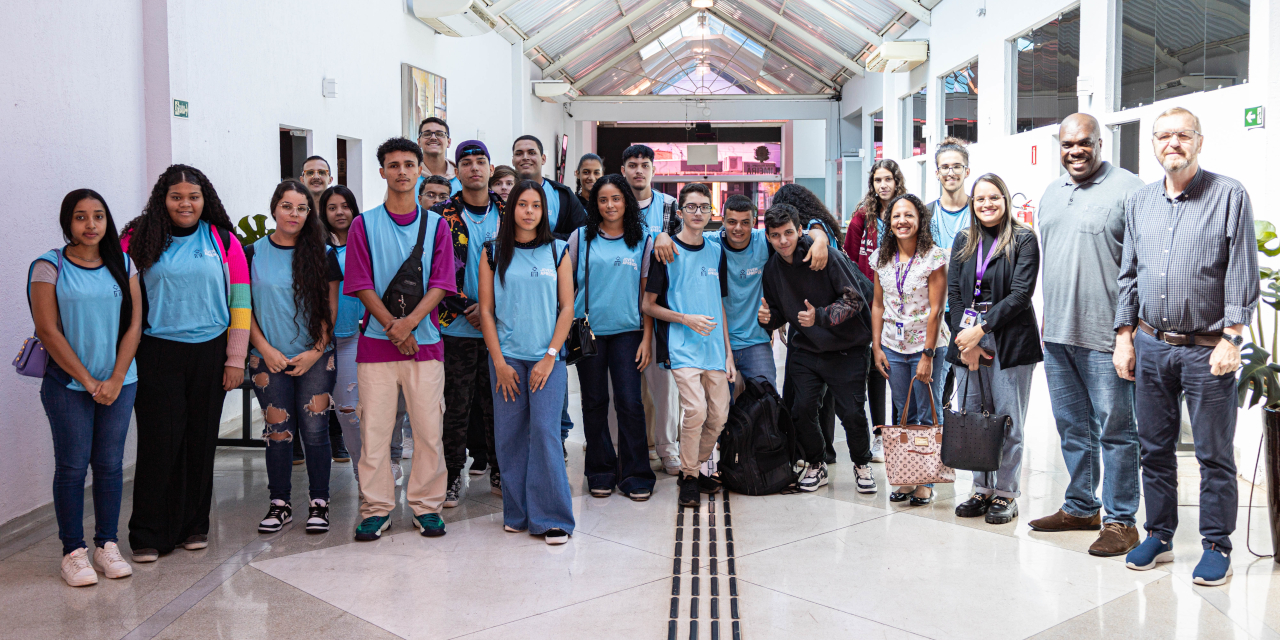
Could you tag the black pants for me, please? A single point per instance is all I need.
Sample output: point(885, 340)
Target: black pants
point(627, 468)
point(179, 407)
point(826, 415)
point(875, 394)
point(466, 380)
point(812, 373)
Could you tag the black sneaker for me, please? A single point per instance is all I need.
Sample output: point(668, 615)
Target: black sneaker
point(565, 449)
point(338, 447)
point(318, 516)
point(453, 494)
point(708, 484)
point(478, 467)
point(495, 483)
point(974, 506)
point(278, 515)
point(1002, 510)
point(689, 491)
point(556, 536)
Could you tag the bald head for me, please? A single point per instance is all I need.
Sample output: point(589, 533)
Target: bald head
point(1080, 145)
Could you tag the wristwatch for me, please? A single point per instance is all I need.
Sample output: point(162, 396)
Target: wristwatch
point(552, 352)
point(1236, 341)
point(930, 352)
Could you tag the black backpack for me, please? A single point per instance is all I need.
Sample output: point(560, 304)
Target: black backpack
point(757, 444)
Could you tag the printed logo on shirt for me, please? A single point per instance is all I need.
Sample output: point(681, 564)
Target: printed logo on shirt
point(205, 253)
point(115, 290)
point(626, 262)
point(747, 273)
point(535, 272)
point(711, 271)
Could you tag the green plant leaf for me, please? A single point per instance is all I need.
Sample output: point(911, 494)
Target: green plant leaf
point(1265, 232)
point(1255, 375)
point(249, 234)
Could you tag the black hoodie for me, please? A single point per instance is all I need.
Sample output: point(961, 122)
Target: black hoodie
point(839, 293)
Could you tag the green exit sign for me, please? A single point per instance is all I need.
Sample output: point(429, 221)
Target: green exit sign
point(1253, 118)
point(181, 109)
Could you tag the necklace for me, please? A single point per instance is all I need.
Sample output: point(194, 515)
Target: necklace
point(942, 223)
point(470, 218)
point(72, 255)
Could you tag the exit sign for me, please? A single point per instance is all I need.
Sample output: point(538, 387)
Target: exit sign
point(181, 109)
point(1253, 118)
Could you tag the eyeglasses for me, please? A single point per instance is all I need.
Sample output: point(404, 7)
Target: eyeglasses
point(982, 202)
point(693, 208)
point(288, 209)
point(1183, 136)
point(952, 168)
point(311, 173)
point(433, 135)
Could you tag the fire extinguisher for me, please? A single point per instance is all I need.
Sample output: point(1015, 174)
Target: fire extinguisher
point(1026, 211)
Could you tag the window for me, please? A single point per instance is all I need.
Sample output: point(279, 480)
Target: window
point(877, 133)
point(1170, 48)
point(913, 121)
point(960, 102)
point(1048, 62)
point(1127, 145)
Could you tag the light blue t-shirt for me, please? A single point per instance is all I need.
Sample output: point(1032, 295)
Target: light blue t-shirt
point(527, 304)
point(692, 285)
point(553, 203)
point(479, 231)
point(746, 287)
point(455, 185)
point(187, 290)
point(652, 214)
point(350, 309)
point(615, 284)
point(945, 225)
point(389, 246)
point(89, 307)
point(271, 280)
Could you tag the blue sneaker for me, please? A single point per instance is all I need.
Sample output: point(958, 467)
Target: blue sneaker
point(371, 528)
point(430, 524)
point(1147, 555)
point(1213, 569)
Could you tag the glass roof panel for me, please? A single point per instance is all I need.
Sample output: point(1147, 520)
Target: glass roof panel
point(825, 29)
point(595, 20)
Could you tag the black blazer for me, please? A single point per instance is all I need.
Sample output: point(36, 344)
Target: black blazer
point(572, 215)
point(1012, 318)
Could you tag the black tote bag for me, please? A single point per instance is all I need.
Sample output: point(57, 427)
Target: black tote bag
point(974, 441)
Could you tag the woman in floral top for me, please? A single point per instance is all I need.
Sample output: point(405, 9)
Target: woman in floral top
point(908, 337)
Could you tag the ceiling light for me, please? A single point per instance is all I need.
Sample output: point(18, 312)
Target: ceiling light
point(701, 4)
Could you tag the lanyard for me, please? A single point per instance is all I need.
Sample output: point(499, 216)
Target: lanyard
point(900, 279)
point(982, 268)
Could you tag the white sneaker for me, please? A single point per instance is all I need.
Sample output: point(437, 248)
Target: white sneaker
point(653, 454)
point(671, 464)
point(865, 478)
point(76, 570)
point(397, 473)
point(108, 560)
point(877, 449)
point(815, 477)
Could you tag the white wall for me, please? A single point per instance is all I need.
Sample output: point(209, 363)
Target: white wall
point(86, 91)
point(808, 151)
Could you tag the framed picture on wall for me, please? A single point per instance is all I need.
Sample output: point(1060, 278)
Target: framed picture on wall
point(424, 96)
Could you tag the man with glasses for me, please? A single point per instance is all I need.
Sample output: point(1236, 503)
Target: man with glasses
point(433, 139)
point(948, 215)
point(1081, 224)
point(1189, 283)
point(433, 191)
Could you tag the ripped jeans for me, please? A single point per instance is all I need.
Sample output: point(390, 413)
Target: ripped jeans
point(293, 405)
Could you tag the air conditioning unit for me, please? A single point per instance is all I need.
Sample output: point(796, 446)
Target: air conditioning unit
point(898, 56)
point(554, 91)
point(454, 18)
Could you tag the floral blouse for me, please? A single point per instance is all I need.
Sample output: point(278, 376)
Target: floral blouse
point(912, 307)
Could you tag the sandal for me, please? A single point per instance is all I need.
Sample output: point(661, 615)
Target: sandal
point(901, 494)
point(918, 501)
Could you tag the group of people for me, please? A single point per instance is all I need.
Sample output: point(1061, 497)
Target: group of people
point(441, 317)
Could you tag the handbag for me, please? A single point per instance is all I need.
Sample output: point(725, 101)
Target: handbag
point(975, 441)
point(33, 360)
point(913, 452)
point(581, 342)
point(408, 287)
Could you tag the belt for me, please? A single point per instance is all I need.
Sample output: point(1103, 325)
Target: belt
point(1181, 339)
point(982, 307)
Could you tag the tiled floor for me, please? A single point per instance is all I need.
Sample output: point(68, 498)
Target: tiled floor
point(834, 564)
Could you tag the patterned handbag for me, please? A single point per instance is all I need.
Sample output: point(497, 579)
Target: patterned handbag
point(913, 453)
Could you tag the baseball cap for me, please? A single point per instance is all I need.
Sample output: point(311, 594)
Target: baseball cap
point(469, 148)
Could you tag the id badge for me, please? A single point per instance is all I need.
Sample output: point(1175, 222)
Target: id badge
point(899, 332)
point(970, 319)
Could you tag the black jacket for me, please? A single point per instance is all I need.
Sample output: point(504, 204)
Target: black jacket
point(839, 292)
point(572, 215)
point(1012, 319)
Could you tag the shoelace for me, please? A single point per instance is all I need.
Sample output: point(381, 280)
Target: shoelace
point(277, 512)
point(112, 554)
point(80, 561)
point(863, 473)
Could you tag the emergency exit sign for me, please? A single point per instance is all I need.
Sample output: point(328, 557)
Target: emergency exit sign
point(1253, 118)
point(181, 109)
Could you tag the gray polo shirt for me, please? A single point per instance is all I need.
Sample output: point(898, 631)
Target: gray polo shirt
point(1081, 244)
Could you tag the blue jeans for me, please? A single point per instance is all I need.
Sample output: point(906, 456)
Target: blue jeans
point(902, 372)
point(628, 468)
point(566, 422)
point(1163, 372)
point(1094, 410)
point(293, 404)
point(755, 360)
point(86, 434)
point(535, 486)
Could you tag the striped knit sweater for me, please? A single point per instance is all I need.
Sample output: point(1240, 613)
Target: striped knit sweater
point(236, 272)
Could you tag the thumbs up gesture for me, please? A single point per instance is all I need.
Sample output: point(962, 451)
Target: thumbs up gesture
point(763, 314)
point(807, 316)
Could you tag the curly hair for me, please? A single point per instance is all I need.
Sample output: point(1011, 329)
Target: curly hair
point(632, 227)
point(871, 202)
point(310, 264)
point(924, 236)
point(810, 208)
point(152, 232)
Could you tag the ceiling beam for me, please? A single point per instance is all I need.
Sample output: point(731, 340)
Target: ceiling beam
point(572, 54)
point(843, 19)
point(656, 33)
point(498, 8)
point(775, 50)
point(560, 23)
point(799, 32)
point(918, 12)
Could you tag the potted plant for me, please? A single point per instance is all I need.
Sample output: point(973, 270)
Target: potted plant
point(249, 234)
point(1258, 373)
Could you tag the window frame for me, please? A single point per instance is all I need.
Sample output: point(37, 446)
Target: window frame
point(1011, 66)
point(941, 82)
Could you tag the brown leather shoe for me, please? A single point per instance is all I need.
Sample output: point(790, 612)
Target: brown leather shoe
point(1063, 521)
point(1115, 540)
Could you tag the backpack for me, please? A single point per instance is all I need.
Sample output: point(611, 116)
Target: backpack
point(758, 443)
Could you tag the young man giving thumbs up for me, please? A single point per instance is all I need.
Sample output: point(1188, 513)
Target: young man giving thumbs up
point(827, 346)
